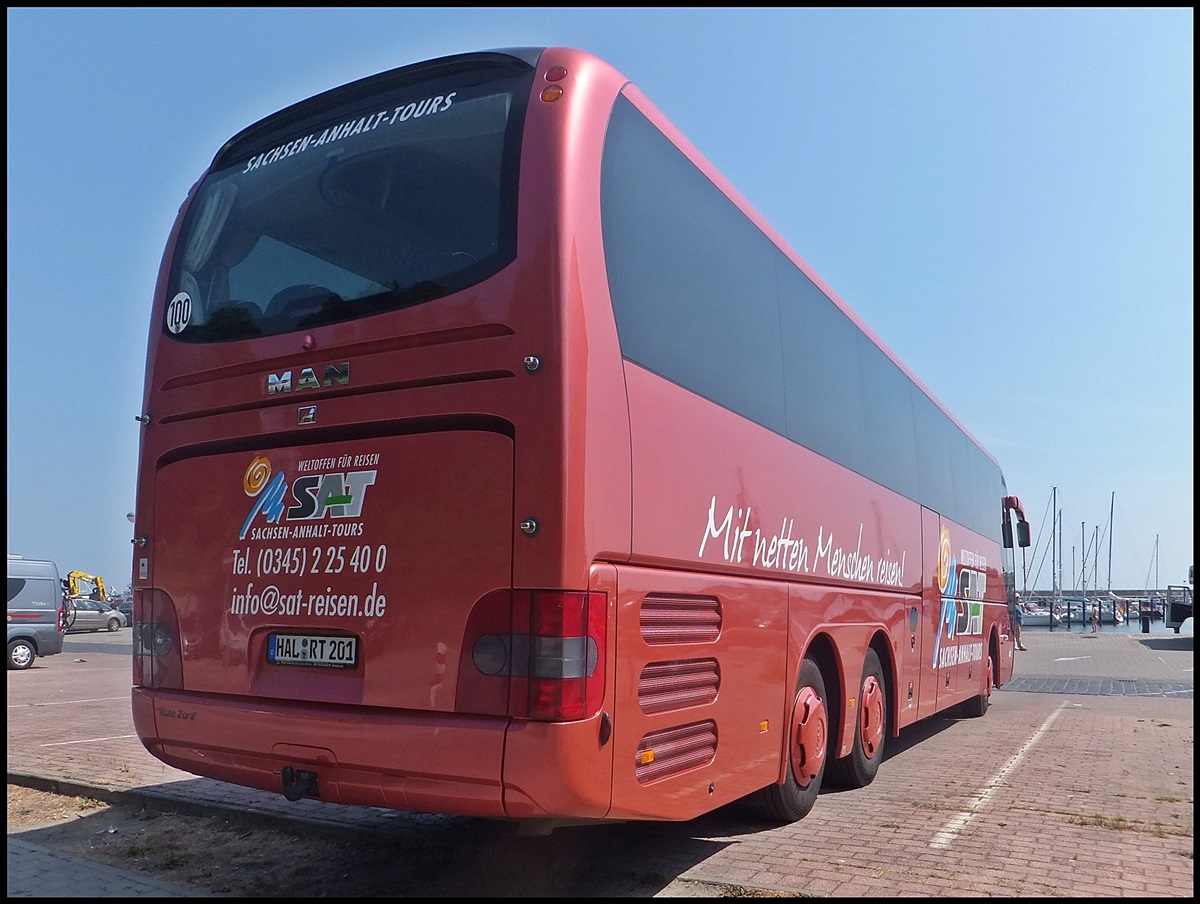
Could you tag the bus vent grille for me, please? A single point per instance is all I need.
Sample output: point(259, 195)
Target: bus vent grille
point(666, 686)
point(666, 753)
point(680, 619)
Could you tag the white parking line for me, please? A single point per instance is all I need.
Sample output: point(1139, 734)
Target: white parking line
point(120, 737)
point(66, 702)
point(954, 827)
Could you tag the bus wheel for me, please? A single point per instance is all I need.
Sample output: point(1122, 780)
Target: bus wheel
point(808, 741)
point(858, 769)
point(978, 705)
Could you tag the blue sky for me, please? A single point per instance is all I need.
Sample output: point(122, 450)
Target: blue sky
point(1004, 195)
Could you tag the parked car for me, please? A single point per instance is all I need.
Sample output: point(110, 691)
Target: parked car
point(125, 607)
point(93, 615)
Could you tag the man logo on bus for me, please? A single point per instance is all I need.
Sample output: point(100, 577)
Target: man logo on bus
point(336, 494)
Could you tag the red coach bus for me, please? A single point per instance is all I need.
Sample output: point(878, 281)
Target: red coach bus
point(498, 459)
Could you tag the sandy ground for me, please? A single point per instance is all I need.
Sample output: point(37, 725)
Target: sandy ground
point(223, 855)
point(212, 853)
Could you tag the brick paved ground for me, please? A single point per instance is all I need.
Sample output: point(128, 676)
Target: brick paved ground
point(1078, 782)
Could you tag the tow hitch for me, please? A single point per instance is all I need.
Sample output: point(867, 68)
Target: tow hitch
point(298, 783)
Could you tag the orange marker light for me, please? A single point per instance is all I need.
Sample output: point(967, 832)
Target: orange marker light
point(551, 93)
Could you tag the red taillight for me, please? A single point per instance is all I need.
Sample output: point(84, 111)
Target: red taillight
point(565, 672)
point(535, 655)
point(136, 625)
point(156, 658)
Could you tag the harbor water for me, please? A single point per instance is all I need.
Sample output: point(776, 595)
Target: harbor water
point(1075, 626)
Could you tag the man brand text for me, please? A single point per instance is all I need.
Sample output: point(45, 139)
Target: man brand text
point(334, 373)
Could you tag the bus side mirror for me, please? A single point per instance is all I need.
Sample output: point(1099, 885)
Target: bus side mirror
point(1023, 533)
point(1006, 533)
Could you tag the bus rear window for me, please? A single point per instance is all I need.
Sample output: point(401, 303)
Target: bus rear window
point(353, 204)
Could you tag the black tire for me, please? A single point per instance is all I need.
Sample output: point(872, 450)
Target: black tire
point(114, 624)
point(977, 706)
point(807, 751)
point(859, 768)
point(21, 654)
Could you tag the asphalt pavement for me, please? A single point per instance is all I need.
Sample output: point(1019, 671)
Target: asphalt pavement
point(1072, 692)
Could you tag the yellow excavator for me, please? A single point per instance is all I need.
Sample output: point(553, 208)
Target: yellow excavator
point(79, 585)
point(75, 586)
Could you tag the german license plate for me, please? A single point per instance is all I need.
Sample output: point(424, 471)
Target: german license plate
point(312, 649)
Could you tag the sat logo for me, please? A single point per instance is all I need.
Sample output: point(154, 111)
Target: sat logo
point(962, 591)
point(336, 494)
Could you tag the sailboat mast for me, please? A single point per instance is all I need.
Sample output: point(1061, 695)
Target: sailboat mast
point(1053, 544)
point(1055, 558)
point(1061, 564)
point(1111, 506)
point(1083, 559)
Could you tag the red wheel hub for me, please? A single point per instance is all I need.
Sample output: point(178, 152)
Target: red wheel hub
point(810, 736)
point(870, 720)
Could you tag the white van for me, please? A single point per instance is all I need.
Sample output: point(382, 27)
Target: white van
point(37, 617)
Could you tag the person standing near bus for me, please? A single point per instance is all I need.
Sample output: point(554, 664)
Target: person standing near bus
point(1095, 619)
point(1016, 616)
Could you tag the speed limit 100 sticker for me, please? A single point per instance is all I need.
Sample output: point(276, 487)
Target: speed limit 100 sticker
point(179, 312)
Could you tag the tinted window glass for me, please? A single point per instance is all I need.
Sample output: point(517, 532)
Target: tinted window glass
point(935, 485)
point(345, 210)
point(703, 298)
point(890, 451)
point(692, 280)
point(824, 384)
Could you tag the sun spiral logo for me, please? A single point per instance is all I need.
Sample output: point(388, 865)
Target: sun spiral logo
point(948, 587)
point(256, 476)
point(945, 561)
point(257, 482)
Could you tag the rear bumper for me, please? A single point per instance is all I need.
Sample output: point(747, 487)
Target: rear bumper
point(398, 759)
point(426, 762)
